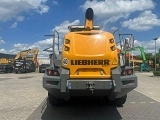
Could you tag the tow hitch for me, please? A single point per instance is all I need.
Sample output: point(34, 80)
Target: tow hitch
point(90, 85)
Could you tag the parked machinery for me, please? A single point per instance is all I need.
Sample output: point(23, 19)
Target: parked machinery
point(7, 68)
point(42, 67)
point(144, 65)
point(25, 63)
point(6, 65)
point(23, 54)
point(4, 61)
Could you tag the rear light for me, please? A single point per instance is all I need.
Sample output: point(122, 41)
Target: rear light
point(55, 73)
point(67, 41)
point(52, 72)
point(127, 72)
point(66, 48)
point(123, 73)
point(113, 48)
point(49, 72)
point(111, 40)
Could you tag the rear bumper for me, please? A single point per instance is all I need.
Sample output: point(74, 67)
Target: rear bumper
point(89, 84)
point(116, 87)
point(74, 84)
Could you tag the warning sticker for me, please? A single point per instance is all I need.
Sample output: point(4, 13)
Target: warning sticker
point(115, 62)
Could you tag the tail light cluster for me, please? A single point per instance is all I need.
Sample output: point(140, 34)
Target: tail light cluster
point(51, 72)
point(113, 47)
point(67, 42)
point(127, 72)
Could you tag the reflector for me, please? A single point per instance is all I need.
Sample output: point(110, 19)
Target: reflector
point(129, 72)
point(123, 73)
point(49, 72)
point(55, 73)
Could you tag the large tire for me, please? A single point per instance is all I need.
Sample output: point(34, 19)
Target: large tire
point(118, 101)
point(53, 100)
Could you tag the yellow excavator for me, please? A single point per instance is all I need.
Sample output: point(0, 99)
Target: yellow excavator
point(6, 64)
point(26, 61)
point(25, 53)
point(89, 65)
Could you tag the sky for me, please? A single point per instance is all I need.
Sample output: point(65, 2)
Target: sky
point(24, 23)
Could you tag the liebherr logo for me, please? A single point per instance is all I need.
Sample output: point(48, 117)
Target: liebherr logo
point(89, 62)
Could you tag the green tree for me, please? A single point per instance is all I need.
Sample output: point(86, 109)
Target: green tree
point(149, 56)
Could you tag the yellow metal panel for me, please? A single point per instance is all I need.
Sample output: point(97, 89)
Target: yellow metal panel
point(88, 51)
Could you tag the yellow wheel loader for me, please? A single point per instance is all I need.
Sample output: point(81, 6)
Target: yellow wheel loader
point(89, 65)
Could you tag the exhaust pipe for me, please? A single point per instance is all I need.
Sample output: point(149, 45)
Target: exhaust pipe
point(89, 19)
